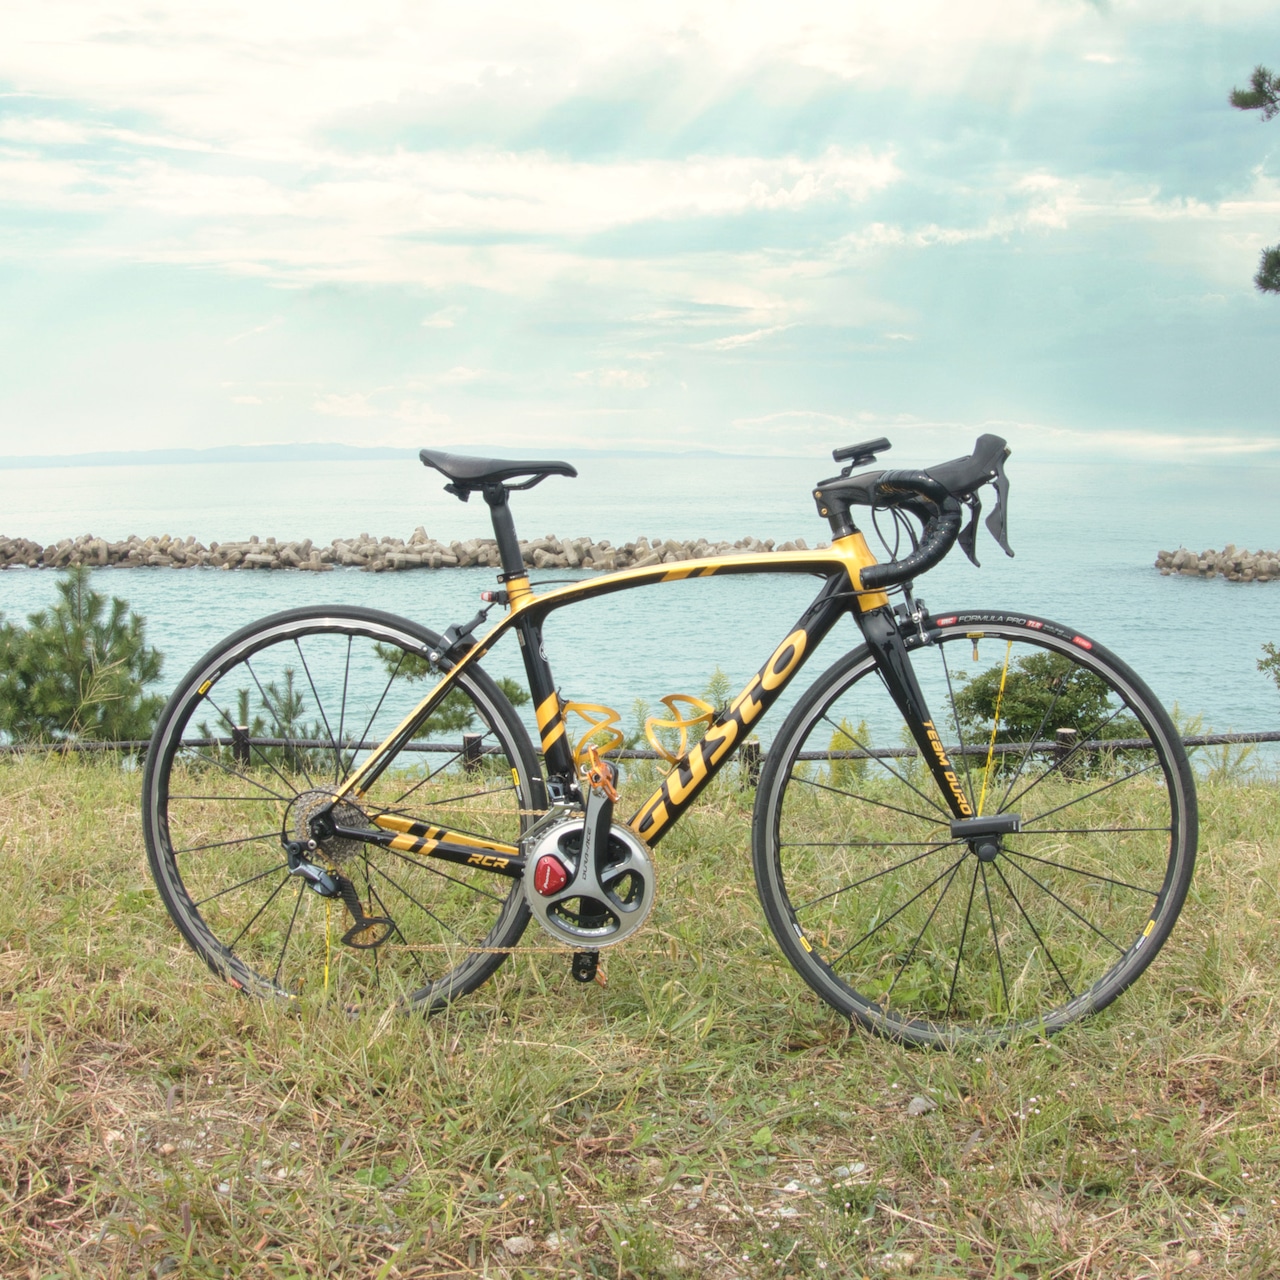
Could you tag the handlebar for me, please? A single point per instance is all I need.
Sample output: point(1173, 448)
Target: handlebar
point(941, 519)
point(934, 496)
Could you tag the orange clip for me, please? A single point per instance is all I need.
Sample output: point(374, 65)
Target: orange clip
point(598, 774)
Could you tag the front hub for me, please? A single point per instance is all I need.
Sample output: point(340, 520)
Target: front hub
point(985, 836)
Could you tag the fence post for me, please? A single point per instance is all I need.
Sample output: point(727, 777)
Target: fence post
point(751, 761)
point(240, 743)
point(471, 751)
point(1064, 745)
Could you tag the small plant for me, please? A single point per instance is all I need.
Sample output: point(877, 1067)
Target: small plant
point(1270, 662)
point(78, 670)
point(845, 772)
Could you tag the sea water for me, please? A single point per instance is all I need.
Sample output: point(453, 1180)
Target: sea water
point(1086, 536)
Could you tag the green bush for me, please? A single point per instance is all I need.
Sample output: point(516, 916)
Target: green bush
point(78, 670)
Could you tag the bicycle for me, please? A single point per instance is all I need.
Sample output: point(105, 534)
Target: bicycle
point(977, 823)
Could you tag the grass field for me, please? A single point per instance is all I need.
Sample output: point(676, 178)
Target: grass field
point(703, 1115)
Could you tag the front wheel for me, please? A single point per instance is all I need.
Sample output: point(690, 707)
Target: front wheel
point(255, 741)
point(932, 938)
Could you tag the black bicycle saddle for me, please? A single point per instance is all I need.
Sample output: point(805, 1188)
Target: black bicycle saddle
point(467, 474)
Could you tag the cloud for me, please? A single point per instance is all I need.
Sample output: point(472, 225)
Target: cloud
point(419, 414)
point(628, 379)
point(249, 333)
point(354, 405)
point(246, 400)
point(445, 318)
point(735, 340)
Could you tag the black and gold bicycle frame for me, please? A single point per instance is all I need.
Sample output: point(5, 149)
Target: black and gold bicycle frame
point(843, 592)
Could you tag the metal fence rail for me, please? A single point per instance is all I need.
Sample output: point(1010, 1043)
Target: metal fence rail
point(1064, 741)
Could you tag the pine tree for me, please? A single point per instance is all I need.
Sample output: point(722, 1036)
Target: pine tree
point(78, 670)
point(1263, 95)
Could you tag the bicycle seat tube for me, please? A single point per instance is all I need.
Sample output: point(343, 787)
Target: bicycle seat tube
point(546, 702)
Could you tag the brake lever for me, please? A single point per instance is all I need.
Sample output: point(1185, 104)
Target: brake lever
point(968, 537)
point(998, 520)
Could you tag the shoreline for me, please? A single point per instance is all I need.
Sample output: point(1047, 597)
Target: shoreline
point(374, 555)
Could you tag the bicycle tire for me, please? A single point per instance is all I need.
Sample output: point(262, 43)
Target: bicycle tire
point(317, 689)
point(893, 922)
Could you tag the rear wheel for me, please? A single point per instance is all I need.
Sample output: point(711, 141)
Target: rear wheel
point(256, 740)
point(935, 939)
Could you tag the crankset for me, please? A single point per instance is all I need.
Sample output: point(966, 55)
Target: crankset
point(588, 880)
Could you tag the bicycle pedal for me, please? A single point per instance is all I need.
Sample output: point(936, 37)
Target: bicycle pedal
point(585, 966)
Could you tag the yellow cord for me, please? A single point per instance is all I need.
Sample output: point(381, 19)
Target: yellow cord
point(327, 944)
point(995, 725)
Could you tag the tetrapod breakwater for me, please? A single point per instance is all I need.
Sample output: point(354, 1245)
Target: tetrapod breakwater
point(374, 555)
point(1233, 563)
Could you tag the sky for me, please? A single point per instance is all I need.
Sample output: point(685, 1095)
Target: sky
point(745, 227)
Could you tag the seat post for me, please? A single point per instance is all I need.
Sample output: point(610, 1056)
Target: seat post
point(504, 530)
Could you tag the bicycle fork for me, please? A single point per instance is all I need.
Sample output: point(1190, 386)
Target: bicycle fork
point(880, 630)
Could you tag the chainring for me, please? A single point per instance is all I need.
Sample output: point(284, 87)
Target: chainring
point(584, 919)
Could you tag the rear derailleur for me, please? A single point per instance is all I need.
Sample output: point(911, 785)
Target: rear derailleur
point(367, 932)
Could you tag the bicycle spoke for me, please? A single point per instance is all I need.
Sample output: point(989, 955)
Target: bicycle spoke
point(433, 773)
point(872, 932)
point(386, 912)
point(244, 777)
point(339, 769)
point(880, 804)
point(444, 875)
point(391, 679)
point(929, 800)
point(273, 835)
point(234, 799)
point(261, 875)
point(964, 933)
point(1031, 741)
point(923, 930)
point(1088, 795)
point(1060, 765)
point(1090, 831)
point(995, 936)
point(253, 746)
point(1066, 906)
point(859, 844)
point(875, 875)
point(399, 888)
point(275, 715)
point(1079, 871)
point(253, 918)
point(288, 933)
point(316, 695)
point(1017, 902)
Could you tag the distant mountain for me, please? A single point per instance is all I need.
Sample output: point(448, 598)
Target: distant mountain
point(314, 453)
point(224, 453)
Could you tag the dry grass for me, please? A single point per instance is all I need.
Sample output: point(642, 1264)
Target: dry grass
point(702, 1115)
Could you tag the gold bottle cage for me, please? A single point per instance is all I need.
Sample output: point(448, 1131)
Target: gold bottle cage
point(605, 736)
point(705, 714)
point(603, 733)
